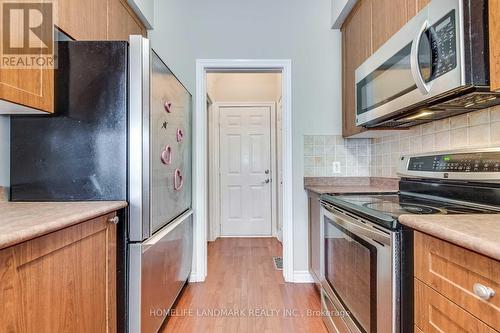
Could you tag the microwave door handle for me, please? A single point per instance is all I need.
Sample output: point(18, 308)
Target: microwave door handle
point(415, 70)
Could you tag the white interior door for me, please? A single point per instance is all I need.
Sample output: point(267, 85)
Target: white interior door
point(245, 164)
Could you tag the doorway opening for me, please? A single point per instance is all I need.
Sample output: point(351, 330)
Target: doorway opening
point(244, 154)
point(242, 177)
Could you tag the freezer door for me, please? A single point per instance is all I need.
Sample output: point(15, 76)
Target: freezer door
point(170, 149)
point(159, 268)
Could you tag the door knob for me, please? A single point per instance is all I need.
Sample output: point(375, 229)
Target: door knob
point(267, 181)
point(266, 172)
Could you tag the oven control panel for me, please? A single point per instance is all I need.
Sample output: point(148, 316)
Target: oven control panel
point(466, 162)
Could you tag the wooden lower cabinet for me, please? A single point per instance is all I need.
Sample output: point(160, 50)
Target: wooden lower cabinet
point(435, 313)
point(445, 275)
point(61, 282)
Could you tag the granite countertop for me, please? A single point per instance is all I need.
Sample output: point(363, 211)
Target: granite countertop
point(22, 221)
point(350, 185)
point(476, 232)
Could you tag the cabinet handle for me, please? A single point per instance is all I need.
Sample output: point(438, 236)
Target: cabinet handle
point(114, 220)
point(483, 291)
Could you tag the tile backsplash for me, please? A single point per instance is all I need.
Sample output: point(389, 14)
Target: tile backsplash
point(321, 151)
point(379, 157)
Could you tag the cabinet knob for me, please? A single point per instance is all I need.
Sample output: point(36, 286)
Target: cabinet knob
point(114, 220)
point(483, 291)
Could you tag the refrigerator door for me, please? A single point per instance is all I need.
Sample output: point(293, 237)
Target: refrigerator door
point(170, 149)
point(160, 143)
point(159, 268)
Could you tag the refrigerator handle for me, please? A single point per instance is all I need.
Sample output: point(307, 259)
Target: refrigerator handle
point(178, 180)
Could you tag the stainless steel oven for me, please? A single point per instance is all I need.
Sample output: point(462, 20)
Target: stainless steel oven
point(436, 66)
point(360, 268)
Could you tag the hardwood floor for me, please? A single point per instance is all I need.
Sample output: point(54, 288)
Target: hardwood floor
point(241, 276)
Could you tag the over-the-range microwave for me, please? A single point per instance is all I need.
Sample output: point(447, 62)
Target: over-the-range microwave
point(436, 66)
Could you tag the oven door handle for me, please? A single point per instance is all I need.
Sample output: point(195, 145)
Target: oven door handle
point(369, 234)
point(415, 68)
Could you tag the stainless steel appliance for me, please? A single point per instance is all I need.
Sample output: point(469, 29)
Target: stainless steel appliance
point(161, 223)
point(366, 253)
point(121, 131)
point(436, 66)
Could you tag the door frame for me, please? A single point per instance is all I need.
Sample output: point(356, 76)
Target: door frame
point(214, 188)
point(200, 170)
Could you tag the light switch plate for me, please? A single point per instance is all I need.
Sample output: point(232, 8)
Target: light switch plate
point(336, 167)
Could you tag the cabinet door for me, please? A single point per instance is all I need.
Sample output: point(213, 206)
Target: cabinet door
point(494, 23)
point(61, 282)
point(83, 20)
point(314, 236)
point(356, 47)
point(434, 313)
point(122, 22)
point(414, 6)
point(27, 86)
point(388, 16)
point(33, 88)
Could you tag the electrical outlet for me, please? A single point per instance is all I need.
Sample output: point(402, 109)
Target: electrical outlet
point(336, 167)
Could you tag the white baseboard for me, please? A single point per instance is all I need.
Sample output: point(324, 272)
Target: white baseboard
point(302, 277)
point(193, 277)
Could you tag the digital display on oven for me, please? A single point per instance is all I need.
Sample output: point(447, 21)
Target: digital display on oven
point(467, 162)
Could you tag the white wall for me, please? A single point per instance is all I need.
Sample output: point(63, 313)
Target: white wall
point(145, 10)
point(4, 150)
point(186, 30)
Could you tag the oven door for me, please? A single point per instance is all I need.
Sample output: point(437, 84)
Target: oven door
point(421, 61)
point(360, 268)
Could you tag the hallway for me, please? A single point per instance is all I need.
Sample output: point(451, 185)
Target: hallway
point(244, 293)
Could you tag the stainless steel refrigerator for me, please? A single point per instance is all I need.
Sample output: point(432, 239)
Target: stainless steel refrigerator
point(121, 131)
point(161, 228)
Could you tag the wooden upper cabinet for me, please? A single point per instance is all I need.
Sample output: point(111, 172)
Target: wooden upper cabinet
point(122, 21)
point(356, 47)
point(31, 88)
point(494, 24)
point(388, 16)
point(83, 20)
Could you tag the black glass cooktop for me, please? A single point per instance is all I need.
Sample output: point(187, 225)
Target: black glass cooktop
point(386, 208)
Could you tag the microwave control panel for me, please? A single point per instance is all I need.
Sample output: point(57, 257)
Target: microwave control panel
point(467, 162)
point(443, 39)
